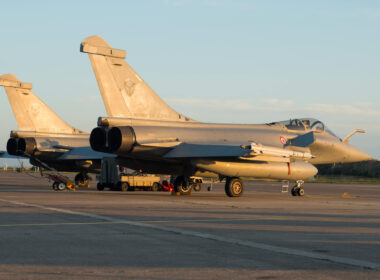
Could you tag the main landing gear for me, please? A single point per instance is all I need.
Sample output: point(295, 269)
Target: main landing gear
point(183, 185)
point(234, 186)
point(82, 180)
point(297, 190)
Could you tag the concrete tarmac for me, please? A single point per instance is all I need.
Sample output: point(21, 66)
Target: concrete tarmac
point(333, 232)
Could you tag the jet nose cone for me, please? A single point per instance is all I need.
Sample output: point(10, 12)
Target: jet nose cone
point(355, 155)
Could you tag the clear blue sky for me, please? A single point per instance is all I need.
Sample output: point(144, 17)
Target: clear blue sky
point(219, 61)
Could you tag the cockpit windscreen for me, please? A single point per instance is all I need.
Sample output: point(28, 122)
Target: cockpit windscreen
point(305, 124)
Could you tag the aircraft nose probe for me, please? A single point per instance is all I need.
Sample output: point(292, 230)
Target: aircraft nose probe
point(352, 133)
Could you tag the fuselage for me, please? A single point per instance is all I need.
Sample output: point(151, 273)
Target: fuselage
point(154, 139)
point(54, 150)
point(327, 147)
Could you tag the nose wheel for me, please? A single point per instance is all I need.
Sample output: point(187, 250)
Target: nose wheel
point(297, 190)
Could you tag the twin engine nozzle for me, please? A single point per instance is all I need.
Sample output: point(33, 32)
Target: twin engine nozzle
point(113, 140)
point(21, 146)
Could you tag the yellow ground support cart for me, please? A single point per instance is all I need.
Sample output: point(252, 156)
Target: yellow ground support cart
point(111, 177)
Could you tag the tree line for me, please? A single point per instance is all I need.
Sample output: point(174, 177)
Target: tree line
point(369, 169)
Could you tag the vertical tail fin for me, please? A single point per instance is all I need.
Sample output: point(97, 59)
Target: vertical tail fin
point(123, 91)
point(30, 112)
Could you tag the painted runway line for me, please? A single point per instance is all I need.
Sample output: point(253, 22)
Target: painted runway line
point(245, 243)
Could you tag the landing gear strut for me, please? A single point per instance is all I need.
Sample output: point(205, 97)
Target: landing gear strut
point(297, 190)
point(81, 180)
point(234, 187)
point(182, 185)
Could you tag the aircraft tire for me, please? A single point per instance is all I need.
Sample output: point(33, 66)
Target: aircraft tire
point(234, 187)
point(100, 187)
point(81, 180)
point(82, 184)
point(55, 186)
point(197, 187)
point(124, 186)
point(155, 186)
point(294, 191)
point(182, 186)
point(300, 192)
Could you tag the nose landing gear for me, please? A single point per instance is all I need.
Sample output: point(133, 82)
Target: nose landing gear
point(297, 190)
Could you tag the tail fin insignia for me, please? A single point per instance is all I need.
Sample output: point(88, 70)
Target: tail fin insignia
point(123, 91)
point(30, 112)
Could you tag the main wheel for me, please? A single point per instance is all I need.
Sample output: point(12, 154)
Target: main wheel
point(81, 180)
point(182, 186)
point(55, 186)
point(234, 187)
point(124, 186)
point(197, 187)
point(100, 187)
point(155, 186)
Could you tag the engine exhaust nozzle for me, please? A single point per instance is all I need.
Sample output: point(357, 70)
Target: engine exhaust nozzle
point(98, 139)
point(121, 139)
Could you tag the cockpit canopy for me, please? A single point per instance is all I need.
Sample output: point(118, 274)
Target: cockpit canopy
point(306, 124)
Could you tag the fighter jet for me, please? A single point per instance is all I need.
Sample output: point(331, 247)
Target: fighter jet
point(149, 135)
point(44, 137)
